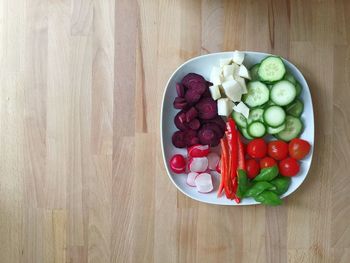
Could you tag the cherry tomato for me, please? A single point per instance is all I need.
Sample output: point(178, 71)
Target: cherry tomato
point(267, 162)
point(257, 148)
point(298, 148)
point(278, 150)
point(253, 168)
point(178, 164)
point(289, 167)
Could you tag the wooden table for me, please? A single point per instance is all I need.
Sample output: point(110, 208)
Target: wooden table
point(82, 176)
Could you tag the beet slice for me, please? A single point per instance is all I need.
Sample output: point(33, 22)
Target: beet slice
point(206, 94)
point(208, 137)
point(178, 139)
point(192, 77)
point(207, 108)
point(194, 124)
point(216, 128)
point(191, 114)
point(179, 103)
point(191, 138)
point(180, 121)
point(180, 90)
point(217, 120)
point(195, 82)
point(192, 96)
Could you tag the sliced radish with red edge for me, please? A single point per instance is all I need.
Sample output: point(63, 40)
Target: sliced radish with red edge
point(204, 183)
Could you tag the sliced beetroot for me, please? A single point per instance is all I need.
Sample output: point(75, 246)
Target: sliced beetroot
point(217, 120)
point(195, 82)
point(207, 108)
point(192, 77)
point(209, 84)
point(190, 178)
point(204, 183)
point(208, 136)
point(216, 128)
point(178, 139)
point(206, 94)
point(192, 96)
point(198, 164)
point(195, 124)
point(191, 114)
point(191, 138)
point(179, 103)
point(180, 90)
point(180, 121)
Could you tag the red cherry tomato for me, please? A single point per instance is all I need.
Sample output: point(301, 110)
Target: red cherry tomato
point(257, 148)
point(178, 164)
point(289, 167)
point(253, 168)
point(298, 148)
point(267, 162)
point(278, 150)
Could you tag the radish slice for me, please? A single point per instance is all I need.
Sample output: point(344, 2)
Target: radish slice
point(190, 179)
point(198, 150)
point(204, 183)
point(198, 164)
point(213, 160)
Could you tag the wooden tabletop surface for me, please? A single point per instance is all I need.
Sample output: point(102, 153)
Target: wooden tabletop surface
point(81, 172)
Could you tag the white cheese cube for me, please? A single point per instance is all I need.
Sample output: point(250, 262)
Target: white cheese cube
point(238, 57)
point(241, 82)
point(225, 107)
point(243, 72)
point(241, 108)
point(215, 92)
point(232, 90)
point(230, 77)
point(216, 76)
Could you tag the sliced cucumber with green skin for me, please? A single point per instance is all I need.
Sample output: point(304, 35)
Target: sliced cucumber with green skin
point(258, 94)
point(295, 108)
point(290, 78)
point(246, 134)
point(272, 130)
point(254, 72)
point(274, 116)
point(256, 129)
point(294, 126)
point(283, 93)
point(271, 69)
point(240, 120)
point(255, 115)
point(298, 88)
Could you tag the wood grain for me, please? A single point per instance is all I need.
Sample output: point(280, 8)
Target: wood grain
point(81, 169)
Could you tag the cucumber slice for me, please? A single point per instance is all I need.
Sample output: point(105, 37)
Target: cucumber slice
point(257, 95)
point(254, 72)
point(274, 116)
point(255, 115)
point(298, 88)
point(271, 69)
point(290, 78)
point(240, 120)
point(295, 108)
point(246, 134)
point(256, 129)
point(271, 130)
point(293, 128)
point(283, 93)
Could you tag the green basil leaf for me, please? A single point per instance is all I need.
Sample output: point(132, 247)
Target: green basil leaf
point(267, 174)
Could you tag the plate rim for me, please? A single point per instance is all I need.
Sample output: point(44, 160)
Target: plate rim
point(162, 137)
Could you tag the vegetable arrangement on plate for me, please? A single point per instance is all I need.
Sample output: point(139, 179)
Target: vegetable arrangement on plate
point(235, 106)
